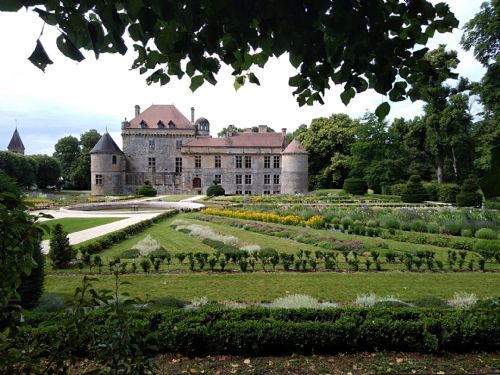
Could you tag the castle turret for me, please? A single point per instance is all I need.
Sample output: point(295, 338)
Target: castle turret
point(202, 126)
point(294, 169)
point(107, 167)
point(15, 144)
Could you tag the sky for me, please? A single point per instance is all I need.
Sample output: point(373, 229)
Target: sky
point(71, 98)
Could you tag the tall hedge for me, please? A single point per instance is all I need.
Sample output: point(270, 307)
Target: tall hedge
point(355, 186)
point(469, 196)
point(414, 191)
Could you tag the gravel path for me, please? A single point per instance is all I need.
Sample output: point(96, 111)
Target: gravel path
point(129, 219)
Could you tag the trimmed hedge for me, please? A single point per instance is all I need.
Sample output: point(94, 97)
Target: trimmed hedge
point(215, 190)
point(259, 331)
point(355, 186)
point(469, 196)
point(111, 239)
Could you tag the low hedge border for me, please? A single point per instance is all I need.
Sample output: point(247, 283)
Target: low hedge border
point(114, 238)
point(260, 331)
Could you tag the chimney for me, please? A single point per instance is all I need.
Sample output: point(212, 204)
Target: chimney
point(262, 128)
point(192, 115)
point(283, 131)
point(137, 110)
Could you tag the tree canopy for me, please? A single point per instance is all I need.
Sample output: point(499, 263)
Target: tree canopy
point(375, 44)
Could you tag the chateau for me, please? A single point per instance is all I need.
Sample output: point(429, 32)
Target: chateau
point(177, 155)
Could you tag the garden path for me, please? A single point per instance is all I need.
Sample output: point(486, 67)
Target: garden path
point(128, 219)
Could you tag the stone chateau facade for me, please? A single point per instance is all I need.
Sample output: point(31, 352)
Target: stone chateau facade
point(179, 156)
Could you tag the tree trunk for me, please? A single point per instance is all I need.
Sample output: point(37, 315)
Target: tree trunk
point(439, 170)
point(455, 168)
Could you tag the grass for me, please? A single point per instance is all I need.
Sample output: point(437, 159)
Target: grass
point(266, 286)
point(76, 224)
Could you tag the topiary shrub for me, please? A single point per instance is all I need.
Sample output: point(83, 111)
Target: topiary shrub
point(215, 190)
point(469, 195)
point(355, 186)
point(147, 190)
point(60, 251)
point(447, 193)
point(486, 234)
point(414, 191)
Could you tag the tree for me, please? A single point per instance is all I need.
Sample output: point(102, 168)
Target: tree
point(228, 130)
point(19, 238)
point(20, 167)
point(378, 155)
point(358, 44)
point(48, 172)
point(60, 251)
point(328, 141)
point(67, 150)
point(31, 288)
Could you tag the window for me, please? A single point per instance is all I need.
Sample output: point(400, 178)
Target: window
point(161, 125)
point(143, 124)
point(239, 161)
point(248, 162)
point(113, 159)
point(151, 145)
point(239, 192)
point(276, 179)
point(267, 179)
point(248, 192)
point(178, 165)
point(267, 162)
point(197, 161)
point(152, 164)
point(239, 179)
point(248, 179)
point(267, 192)
point(98, 179)
point(178, 144)
point(276, 192)
point(276, 162)
point(217, 161)
point(171, 124)
point(217, 178)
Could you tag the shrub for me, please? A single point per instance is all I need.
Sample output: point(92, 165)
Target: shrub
point(31, 288)
point(492, 204)
point(372, 223)
point(487, 248)
point(430, 302)
point(469, 196)
point(486, 234)
point(130, 254)
point(397, 189)
point(346, 221)
point(389, 222)
point(147, 190)
point(355, 186)
point(60, 251)
point(50, 303)
point(432, 190)
point(452, 227)
point(145, 264)
point(414, 191)
point(168, 302)
point(215, 190)
point(418, 226)
point(433, 227)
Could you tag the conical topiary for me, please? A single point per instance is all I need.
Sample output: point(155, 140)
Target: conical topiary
point(60, 251)
point(469, 195)
point(414, 191)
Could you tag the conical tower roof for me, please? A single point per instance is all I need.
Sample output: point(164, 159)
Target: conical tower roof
point(106, 145)
point(294, 148)
point(16, 144)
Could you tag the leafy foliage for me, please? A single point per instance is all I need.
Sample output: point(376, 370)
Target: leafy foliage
point(469, 196)
point(48, 171)
point(215, 190)
point(356, 186)
point(60, 251)
point(20, 167)
point(414, 191)
point(31, 288)
point(355, 44)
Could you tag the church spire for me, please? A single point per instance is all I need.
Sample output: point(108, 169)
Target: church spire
point(16, 144)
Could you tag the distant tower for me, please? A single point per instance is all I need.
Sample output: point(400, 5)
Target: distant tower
point(202, 126)
point(294, 169)
point(15, 144)
point(107, 167)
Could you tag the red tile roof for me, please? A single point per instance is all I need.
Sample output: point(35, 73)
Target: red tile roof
point(241, 140)
point(294, 148)
point(161, 112)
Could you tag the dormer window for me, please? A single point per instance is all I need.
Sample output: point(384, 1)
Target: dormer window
point(143, 124)
point(171, 124)
point(161, 125)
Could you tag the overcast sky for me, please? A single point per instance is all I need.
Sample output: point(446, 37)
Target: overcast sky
point(71, 98)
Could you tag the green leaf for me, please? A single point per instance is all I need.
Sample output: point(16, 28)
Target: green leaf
point(253, 79)
point(166, 38)
point(295, 60)
point(68, 49)
point(383, 110)
point(238, 82)
point(10, 5)
point(295, 81)
point(196, 82)
point(39, 57)
point(347, 95)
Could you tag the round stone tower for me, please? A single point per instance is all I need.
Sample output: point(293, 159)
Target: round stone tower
point(202, 126)
point(107, 167)
point(294, 169)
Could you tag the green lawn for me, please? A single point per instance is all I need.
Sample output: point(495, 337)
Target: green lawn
point(76, 224)
point(266, 286)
